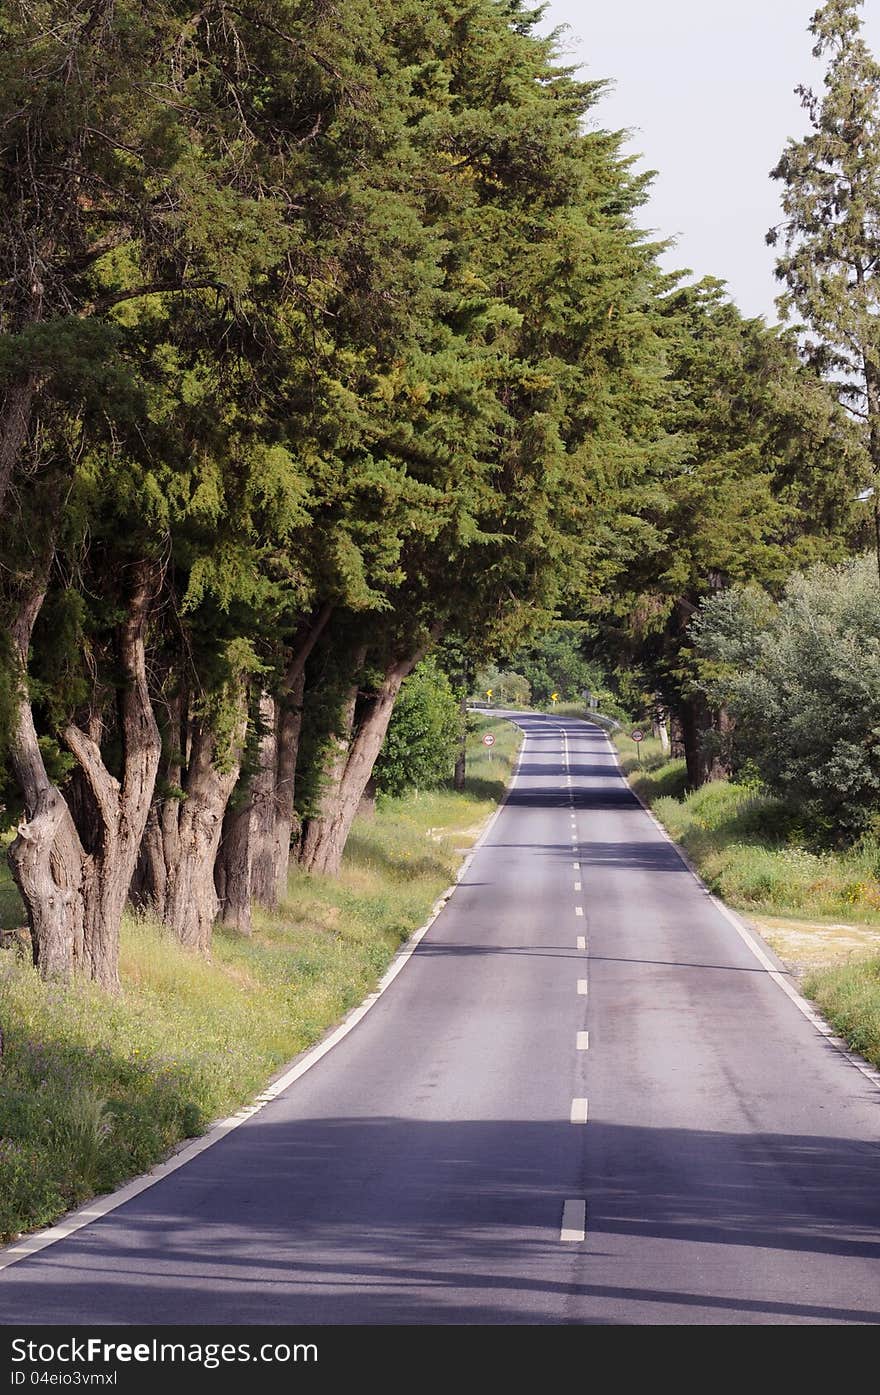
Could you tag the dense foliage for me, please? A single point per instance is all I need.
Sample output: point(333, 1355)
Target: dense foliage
point(801, 678)
point(325, 332)
point(424, 734)
point(328, 337)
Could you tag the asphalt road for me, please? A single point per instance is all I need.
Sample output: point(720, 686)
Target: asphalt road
point(420, 1171)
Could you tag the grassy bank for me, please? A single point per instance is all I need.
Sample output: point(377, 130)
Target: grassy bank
point(94, 1090)
point(819, 910)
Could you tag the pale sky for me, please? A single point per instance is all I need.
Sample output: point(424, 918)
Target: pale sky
point(707, 89)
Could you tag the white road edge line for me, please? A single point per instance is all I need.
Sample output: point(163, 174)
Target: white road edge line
point(579, 1111)
point(574, 1223)
point(801, 1003)
point(102, 1206)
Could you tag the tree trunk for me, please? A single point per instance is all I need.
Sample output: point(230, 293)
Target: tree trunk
point(290, 714)
point(872, 390)
point(333, 775)
point(15, 420)
point(275, 813)
point(74, 894)
point(121, 807)
point(233, 870)
point(327, 834)
point(701, 727)
point(459, 776)
point(180, 850)
point(661, 728)
point(46, 856)
point(262, 817)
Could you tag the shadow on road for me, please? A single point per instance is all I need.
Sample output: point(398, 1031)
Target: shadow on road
point(384, 1220)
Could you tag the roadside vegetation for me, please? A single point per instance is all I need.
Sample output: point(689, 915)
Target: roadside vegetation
point(820, 910)
point(96, 1088)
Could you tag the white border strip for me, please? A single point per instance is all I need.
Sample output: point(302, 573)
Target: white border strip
point(102, 1206)
point(753, 941)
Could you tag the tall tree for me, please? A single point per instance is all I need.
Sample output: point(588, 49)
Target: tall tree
point(757, 485)
point(830, 235)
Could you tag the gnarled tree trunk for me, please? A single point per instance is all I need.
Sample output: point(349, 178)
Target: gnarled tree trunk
point(74, 890)
point(176, 876)
point(233, 870)
point(123, 805)
point(254, 856)
point(351, 768)
point(46, 857)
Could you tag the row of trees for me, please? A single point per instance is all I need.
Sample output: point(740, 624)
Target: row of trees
point(327, 337)
point(325, 331)
point(780, 431)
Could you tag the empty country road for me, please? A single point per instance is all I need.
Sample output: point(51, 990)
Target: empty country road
point(582, 1045)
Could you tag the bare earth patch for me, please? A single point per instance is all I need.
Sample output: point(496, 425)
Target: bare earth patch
point(805, 945)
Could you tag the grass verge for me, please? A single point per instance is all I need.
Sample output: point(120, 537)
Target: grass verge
point(820, 911)
point(94, 1090)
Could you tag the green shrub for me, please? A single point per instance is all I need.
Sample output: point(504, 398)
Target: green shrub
point(802, 679)
point(424, 734)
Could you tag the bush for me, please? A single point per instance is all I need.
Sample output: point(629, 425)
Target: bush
point(802, 680)
point(507, 688)
point(424, 734)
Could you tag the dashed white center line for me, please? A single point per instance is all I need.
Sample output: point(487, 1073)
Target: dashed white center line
point(578, 910)
point(582, 942)
point(574, 1223)
point(576, 866)
point(583, 1041)
point(583, 987)
point(579, 1111)
point(577, 886)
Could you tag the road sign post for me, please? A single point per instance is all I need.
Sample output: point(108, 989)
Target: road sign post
point(638, 737)
point(489, 741)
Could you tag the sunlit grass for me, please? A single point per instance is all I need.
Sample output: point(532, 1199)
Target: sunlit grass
point(849, 996)
point(94, 1089)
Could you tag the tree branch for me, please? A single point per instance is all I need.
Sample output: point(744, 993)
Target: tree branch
point(102, 784)
point(198, 283)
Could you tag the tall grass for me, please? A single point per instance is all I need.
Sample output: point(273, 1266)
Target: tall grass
point(849, 996)
point(95, 1089)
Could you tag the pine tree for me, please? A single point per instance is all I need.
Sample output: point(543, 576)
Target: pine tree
point(830, 236)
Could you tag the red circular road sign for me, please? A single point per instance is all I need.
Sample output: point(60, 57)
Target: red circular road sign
point(488, 739)
point(638, 736)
